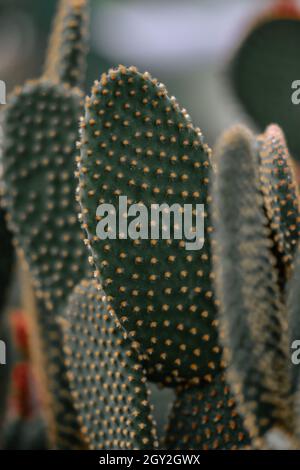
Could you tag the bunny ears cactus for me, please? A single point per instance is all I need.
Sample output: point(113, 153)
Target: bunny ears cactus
point(254, 315)
point(108, 383)
point(137, 142)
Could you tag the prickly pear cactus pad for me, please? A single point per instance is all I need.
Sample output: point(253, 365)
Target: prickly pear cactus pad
point(62, 426)
point(39, 155)
point(253, 317)
point(108, 382)
point(206, 419)
point(280, 191)
point(294, 335)
point(264, 69)
point(68, 46)
point(41, 123)
point(138, 143)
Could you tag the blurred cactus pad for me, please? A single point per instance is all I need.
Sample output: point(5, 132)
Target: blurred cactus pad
point(257, 318)
point(265, 71)
point(38, 160)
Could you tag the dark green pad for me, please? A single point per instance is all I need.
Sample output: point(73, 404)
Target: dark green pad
point(108, 382)
point(205, 418)
point(137, 142)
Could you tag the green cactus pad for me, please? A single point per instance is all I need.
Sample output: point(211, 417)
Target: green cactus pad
point(68, 46)
point(5, 376)
point(108, 383)
point(137, 142)
point(280, 191)
point(253, 318)
point(205, 418)
point(294, 322)
point(263, 70)
point(41, 124)
point(39, 156)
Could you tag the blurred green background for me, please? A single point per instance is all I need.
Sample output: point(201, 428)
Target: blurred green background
point(187, 45)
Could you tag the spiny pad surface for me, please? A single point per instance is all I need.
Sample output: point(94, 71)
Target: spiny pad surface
point(253, 318)
point(108, 382)
point(41, 123)
point(280, 192)
point(137, 142)
point(205, 418)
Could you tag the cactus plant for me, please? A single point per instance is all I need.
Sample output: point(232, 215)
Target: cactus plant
point(108, 383)
point(25, 428)
point(68, 45)
point(41, 122)
point(254, 311)
point(137, 142)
